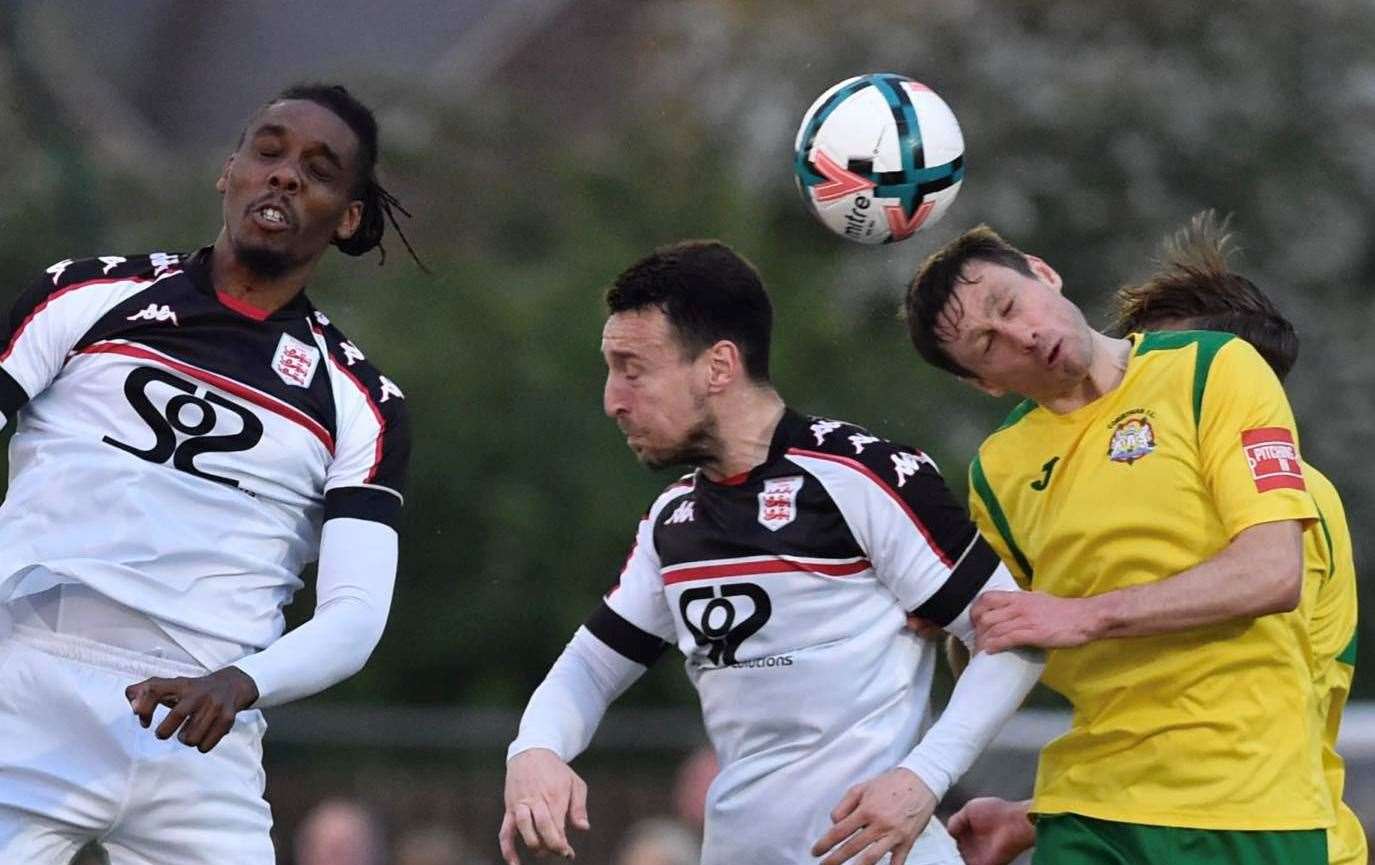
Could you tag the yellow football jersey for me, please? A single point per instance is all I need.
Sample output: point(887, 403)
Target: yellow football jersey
point(1215, 727)
point(1331, 581)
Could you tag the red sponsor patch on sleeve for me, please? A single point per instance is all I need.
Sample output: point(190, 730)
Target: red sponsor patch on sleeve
point(1273, 459)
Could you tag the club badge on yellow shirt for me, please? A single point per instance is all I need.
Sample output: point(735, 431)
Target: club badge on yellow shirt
point(1132, 438)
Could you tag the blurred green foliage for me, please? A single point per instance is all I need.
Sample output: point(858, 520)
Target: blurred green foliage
point(1092, 130)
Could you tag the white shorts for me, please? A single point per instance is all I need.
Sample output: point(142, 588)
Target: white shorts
point(76, 765)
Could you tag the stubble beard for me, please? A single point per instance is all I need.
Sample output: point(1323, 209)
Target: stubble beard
point(698, 447)
point(264, 262)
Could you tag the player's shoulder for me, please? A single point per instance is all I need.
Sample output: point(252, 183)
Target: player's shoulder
point(1322, 489)
point(71, 273)
point(825, 444)
point(675, 490)
point(1019, 423)
point(1197, 353)
point(356, 367)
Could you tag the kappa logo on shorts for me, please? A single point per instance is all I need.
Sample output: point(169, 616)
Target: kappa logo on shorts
point(778, 502)
point(1273, 459)
point(295, 362)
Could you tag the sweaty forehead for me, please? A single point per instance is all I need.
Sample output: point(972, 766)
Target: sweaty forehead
point(313, 123)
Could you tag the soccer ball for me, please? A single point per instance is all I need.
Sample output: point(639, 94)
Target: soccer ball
point(878, 157)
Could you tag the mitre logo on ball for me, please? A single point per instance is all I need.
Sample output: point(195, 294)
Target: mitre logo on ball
point(879, 157)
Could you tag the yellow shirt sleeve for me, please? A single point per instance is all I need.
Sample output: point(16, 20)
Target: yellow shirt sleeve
point(1248, 443)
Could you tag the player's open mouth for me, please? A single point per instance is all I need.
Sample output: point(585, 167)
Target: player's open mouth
point(271, 217)
point(1054, 354)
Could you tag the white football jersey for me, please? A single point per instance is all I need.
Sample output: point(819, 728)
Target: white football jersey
point(178, 451)
point(787, 590)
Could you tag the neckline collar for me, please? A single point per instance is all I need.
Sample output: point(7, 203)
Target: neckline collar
point(197, 269)
point(789, 425)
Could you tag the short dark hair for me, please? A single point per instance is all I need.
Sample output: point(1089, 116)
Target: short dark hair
point(378, 203)
point(933, 289)
point(708, 292)
point(1195, 286)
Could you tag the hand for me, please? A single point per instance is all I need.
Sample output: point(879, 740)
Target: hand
point(542, 793)
point(992, 831)
point(924, 627)
point(883, 814)
point(1006, 620)
point(206, 705)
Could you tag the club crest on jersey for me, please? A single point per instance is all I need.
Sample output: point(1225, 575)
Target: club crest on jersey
point(1273, 459)
point(778, 502)
point(1132, 439)
point(294, 361)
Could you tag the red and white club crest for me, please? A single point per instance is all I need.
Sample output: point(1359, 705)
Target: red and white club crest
point(778, 502)
point(1273, 459)
point(295, 361)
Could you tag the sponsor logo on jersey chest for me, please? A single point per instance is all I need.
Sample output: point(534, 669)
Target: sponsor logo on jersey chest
point(778, 502)
point(1273, 459)
point(1132, 439)
point(295, 362)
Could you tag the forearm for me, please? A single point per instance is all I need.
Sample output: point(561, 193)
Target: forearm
point(566, 708)
point(986, 695)
point(1259, 573)
point(353, 594)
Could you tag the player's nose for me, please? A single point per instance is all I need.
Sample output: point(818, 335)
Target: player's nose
point(614, 401)
point(284, 177)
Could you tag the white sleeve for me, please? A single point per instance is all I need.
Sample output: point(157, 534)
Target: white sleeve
point(48, 320)
point(566, 708)
point(921, 542)
point(352, 596)
point(985, 696)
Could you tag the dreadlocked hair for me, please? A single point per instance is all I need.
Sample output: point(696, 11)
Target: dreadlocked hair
point(379, 206)
point(1195, 287)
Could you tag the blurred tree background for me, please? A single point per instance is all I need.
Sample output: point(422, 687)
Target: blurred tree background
point(542, 158)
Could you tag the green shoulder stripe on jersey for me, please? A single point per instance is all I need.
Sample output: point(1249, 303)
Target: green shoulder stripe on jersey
point(1327, 539)
point(995, 512)
point(1024, 408)
point(1208, 342)
point(1348, 655)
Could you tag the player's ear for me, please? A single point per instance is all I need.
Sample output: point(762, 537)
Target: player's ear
point(1045, 272)
point(222, 182)
point(724, 365)
point(979, 384)
point(349, 222)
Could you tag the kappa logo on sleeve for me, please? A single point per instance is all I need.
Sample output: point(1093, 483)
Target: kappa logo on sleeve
point(1273, 458)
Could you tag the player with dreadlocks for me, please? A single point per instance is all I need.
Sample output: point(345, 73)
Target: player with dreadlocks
point(191, 432)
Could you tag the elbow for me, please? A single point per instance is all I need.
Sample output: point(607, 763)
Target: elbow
point(1286, 591)
point(1288, 597)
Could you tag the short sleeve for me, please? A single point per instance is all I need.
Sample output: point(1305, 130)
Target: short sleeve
point(1248, 442)
point(917, 536)
point(367, 477)
point(634, 618)
point(47, 320)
